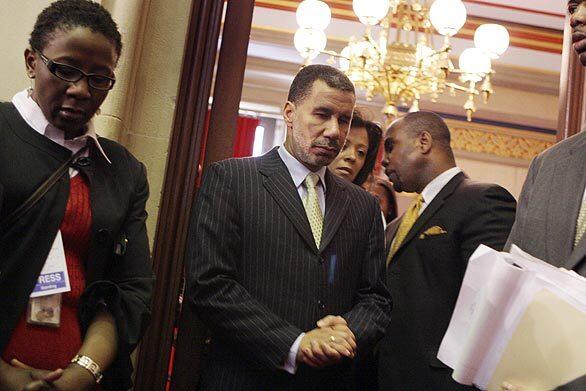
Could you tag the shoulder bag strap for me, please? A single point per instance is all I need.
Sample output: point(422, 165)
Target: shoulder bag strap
point(40, 192)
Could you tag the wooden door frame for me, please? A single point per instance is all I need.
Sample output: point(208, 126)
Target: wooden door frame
point(190, 150)
point(179, 189)
point(571, 104)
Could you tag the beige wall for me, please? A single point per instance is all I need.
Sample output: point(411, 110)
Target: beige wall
point(157, 67)
point(139, 110)
point(16, 23)
point(507, 173)
point(510, 175)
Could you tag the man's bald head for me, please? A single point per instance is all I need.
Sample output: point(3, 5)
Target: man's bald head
point(417, 149)
point(426, 121)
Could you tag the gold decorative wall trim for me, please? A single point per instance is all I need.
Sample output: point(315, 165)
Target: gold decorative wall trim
point(498, 144)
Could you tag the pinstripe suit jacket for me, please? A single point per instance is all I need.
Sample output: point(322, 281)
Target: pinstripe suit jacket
point(257, 278)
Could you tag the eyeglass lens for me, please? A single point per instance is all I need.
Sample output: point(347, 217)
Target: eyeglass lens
point(71, 74)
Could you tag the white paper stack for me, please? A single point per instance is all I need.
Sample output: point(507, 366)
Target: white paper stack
point(517, 319)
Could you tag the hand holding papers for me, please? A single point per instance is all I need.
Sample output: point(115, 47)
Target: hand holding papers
point(517, 319)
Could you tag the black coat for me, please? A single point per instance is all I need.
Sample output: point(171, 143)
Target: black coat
point(257, 278)
point(118, 193)
point(425, 275)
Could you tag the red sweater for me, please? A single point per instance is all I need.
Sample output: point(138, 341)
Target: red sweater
point(47, 347)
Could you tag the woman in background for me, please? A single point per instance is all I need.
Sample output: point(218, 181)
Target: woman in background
point(382, 189)
point(356, 160)
point(93, 218)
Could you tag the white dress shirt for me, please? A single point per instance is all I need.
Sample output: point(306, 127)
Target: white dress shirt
point(433, 188)
point(298, 173)
point(30, 111)
point(436, 185)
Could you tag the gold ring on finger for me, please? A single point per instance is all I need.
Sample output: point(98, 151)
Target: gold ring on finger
point(332, 338)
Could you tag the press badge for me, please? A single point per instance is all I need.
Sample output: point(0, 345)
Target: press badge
point(44, 307)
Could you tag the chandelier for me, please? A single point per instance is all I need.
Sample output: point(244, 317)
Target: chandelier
point(397, 57)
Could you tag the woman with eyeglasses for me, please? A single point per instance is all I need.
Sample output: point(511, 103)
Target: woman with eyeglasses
point(75, 276)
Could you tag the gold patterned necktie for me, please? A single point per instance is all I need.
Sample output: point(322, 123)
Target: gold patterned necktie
point(580, 224)
point(407, 222)
point(311, 204)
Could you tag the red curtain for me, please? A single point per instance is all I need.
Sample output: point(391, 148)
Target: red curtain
point(244, 139)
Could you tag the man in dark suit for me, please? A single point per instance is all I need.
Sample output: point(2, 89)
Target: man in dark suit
point(286, 260)
point(429, 248)
point(551, 219)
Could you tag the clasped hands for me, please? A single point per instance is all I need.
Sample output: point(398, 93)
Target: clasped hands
point(328, 344)
point(21, 377)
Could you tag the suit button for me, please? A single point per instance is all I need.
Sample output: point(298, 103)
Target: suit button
point(83, 161)
point(321, 305)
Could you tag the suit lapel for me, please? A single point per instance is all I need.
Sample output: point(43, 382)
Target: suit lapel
point(391, 230)
point(564, 200)
point(432, 208)
point(27, 134)
point(569, 177)
point(336, 206)
point(280, 186)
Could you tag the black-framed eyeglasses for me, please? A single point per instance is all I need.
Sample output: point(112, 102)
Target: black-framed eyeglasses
point(73, 75)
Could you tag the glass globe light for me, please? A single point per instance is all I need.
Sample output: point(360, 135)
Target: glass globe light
point(492, 39)
point(309, 42)
point(361, 49)
point(474, 62)
point(447, 16)
point(313, 14)
point(345, 59)
point(370, 12)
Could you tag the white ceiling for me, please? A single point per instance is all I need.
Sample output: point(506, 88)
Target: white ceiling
point(273, 59)
point(550, 6)
point(551, 17)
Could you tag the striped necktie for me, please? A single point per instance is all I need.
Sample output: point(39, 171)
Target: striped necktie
point(311, 204)
point(580, 224)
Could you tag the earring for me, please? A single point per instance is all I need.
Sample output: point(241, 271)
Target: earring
point(30, 89)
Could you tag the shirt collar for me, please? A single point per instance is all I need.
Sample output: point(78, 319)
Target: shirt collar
point(34, 117)
point(297, 170)
point(438, 183)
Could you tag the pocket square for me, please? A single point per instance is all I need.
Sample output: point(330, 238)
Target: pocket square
point(433, 231)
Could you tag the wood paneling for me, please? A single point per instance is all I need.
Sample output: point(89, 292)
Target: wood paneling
point(179, 189)
point(571, 102)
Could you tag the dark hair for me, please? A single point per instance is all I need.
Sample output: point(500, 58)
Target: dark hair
point(303, 81)
point(390, 194)
point(415, 123)
point(374, 132)
point(388, 186)
point(68, 14)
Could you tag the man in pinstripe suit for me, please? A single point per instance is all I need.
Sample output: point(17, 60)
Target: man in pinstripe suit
point(291, 300)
